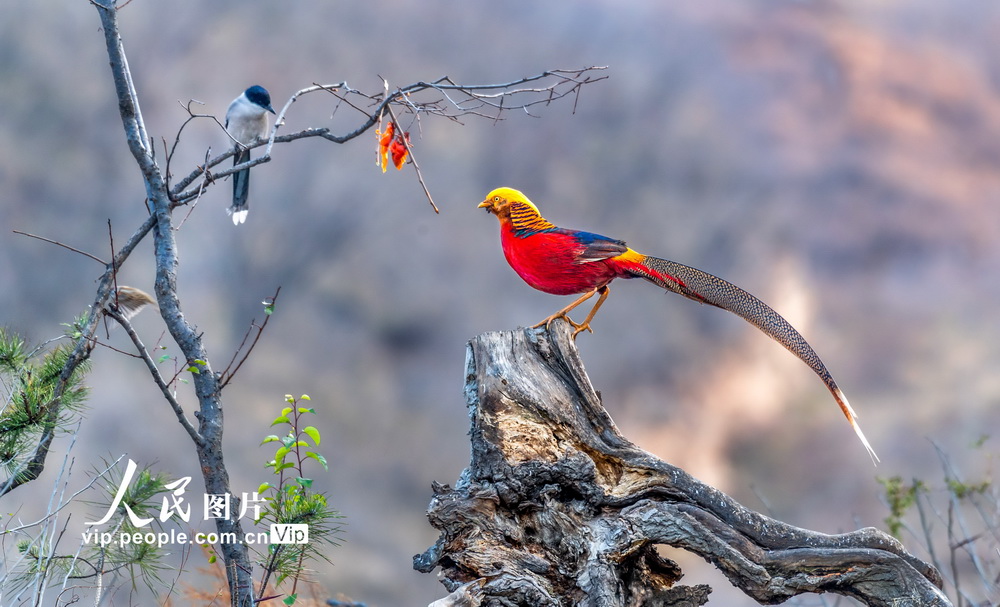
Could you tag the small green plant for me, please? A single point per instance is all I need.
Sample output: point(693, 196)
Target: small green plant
point(291, 499)
point(74, 330)
point(193, 367)
point(102, 555)
point(957, 523)
point(899, 497)
point(139, 502)
point(37, 400)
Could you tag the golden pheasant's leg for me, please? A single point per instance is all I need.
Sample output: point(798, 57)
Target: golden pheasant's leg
point(585, 325)
point(563, 313)
point(604, 291)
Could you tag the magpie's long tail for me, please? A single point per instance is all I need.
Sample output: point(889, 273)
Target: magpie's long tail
point(241, 189)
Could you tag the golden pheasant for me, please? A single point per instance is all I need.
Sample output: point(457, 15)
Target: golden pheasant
point(566, 262)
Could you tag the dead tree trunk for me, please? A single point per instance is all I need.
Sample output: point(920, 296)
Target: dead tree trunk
point(558, 508)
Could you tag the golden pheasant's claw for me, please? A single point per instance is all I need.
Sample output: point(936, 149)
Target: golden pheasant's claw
point(548, 320)
point(604, 291)
point(577, 327)
point(564, 314)
point(585, 325)
point(580, 328)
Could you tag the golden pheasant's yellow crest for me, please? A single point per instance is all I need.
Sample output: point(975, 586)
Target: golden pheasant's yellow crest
point(510, 205)
point(501, 198)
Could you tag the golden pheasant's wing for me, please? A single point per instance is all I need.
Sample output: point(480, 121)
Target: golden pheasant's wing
point(594, 247)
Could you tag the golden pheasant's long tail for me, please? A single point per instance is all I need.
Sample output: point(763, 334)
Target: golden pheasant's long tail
point(706, 288)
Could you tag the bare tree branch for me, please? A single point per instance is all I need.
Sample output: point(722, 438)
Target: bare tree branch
point(35, 464)
point(206, 385)
point(154, 371)
point(455, 102)
point(63, 245)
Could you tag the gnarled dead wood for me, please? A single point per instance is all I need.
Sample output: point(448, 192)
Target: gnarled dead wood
point(558, 508)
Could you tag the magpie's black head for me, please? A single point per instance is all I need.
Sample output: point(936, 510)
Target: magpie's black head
point(258, 95)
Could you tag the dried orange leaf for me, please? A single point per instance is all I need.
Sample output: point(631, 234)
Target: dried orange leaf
point(399, 151)
point(384, 143)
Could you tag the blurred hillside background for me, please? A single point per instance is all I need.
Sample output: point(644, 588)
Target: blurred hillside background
point(839, 159)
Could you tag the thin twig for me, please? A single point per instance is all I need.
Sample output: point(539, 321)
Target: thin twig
point(456, 100)
point(114, 266)
point(63, 245)
point(334, 89)
point(952, 561)
point(239, 348)
point(201, 190)
point(413, 159)
point(157, 378)
point(177, 137)
point(62, 505)
point(116, 350)
point(927, 528)
point(226, 376)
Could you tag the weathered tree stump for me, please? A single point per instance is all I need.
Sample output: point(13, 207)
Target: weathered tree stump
point(558, 508)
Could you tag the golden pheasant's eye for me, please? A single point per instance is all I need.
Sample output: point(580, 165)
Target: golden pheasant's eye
point(496, 199)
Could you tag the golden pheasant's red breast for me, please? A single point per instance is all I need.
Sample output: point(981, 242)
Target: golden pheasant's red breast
point(550, 261)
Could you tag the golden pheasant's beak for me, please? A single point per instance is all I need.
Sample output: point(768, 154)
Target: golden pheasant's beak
point(486, 204)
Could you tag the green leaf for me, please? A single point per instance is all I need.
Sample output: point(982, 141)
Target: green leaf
point(290, 599)
point(279, 455)
point(281, 419)
point(194, 370)
point(269, 438)
point(307, 410)
point(304, 397)
point(211, 559)
point(284, 466)
point(319, 458)
point(305, 482)
point(163, 357)
point(264, 487)
point(313, 434)
point(269, 310)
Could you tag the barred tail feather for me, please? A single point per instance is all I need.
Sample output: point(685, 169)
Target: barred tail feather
point(707, 288)
point(852, 417)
